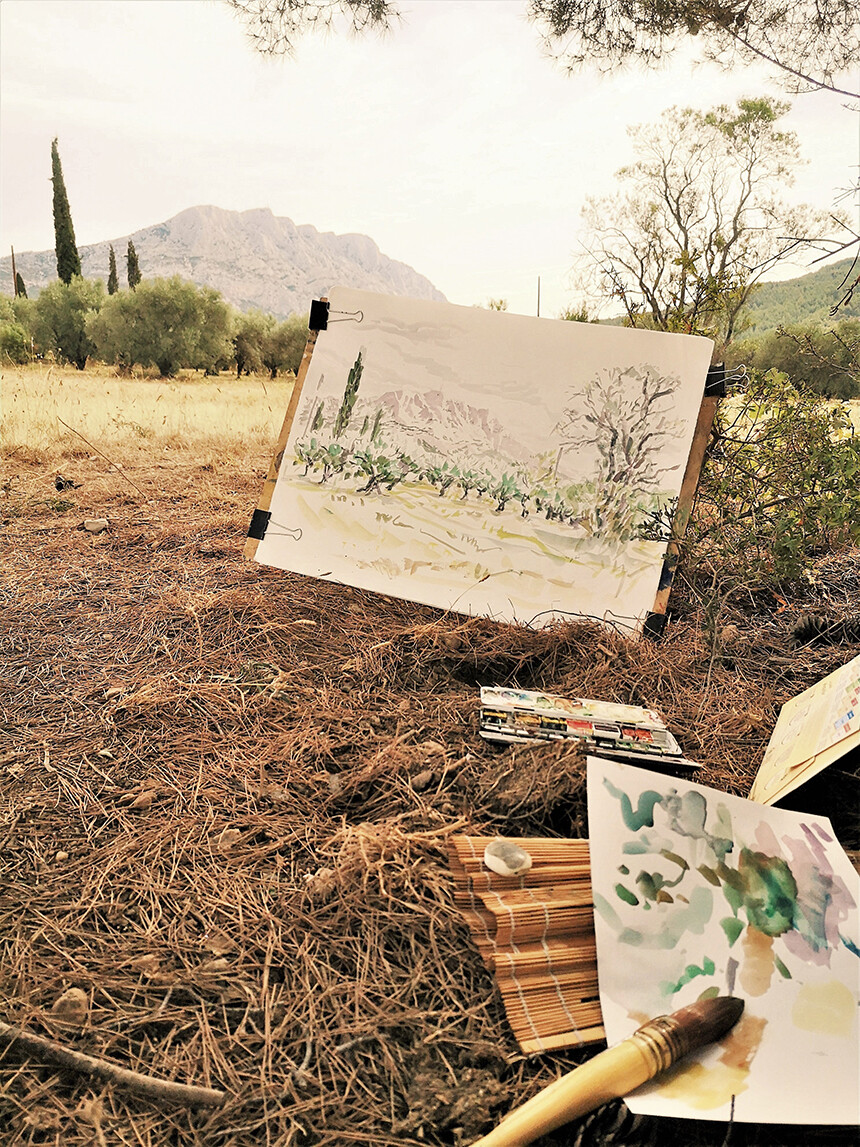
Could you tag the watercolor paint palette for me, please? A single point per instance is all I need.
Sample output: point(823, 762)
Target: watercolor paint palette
point(814, 729)
point(627, 732)
point(700, 893)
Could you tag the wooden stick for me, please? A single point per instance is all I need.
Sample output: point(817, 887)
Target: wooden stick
point(275, 465)
point(162, 1090)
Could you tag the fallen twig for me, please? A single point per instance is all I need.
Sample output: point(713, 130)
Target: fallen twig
point(164, 1090)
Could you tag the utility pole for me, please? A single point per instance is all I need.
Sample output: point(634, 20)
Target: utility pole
point(14, 275)
point(538, 303)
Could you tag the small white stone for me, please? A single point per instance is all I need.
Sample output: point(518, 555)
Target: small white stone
point(506, 858)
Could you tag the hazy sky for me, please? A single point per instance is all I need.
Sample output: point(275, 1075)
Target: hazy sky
point(452, 141)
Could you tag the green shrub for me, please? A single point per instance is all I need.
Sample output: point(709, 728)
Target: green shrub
point(14, 342)
point(781, 484)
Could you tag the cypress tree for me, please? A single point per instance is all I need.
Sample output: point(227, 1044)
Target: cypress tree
point(113, 281)
point(132, 266)
point(68, 259)
point(20, 289)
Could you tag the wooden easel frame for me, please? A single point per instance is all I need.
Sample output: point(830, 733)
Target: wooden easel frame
point(655, 622)
point(265, 502)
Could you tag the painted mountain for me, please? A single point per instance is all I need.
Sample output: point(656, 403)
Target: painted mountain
point(254, 258)
point(427, 424)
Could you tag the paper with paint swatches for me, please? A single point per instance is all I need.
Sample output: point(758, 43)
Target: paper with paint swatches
point(700, 893)
point(814, 729)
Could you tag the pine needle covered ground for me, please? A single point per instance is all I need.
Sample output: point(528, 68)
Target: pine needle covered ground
point(224, 798)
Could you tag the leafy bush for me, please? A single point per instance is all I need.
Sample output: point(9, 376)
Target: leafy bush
point(824, 357)
point(781, 484)
point(14, 342)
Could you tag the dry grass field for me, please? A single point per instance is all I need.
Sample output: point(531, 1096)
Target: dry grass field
point(225, 793)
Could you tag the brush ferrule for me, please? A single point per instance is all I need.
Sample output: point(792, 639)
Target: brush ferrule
point(661, 1041)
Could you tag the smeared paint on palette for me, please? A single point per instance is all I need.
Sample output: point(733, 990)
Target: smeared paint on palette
point(698, 892)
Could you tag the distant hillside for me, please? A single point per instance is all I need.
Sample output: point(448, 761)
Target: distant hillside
point(805, 299)
point(253, 258)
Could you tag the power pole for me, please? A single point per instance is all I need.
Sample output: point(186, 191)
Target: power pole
point(538, 302)
point(14, 275)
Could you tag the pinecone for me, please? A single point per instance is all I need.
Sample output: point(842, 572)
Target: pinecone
point(819, 629)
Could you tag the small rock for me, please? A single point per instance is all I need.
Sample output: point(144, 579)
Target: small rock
point(506, 858)
point(430, 747)
point(143, 801)
point(61, 856)
point(228, 837)
point(148, 965)
point(218, 965)
point(423, 779)
point(450, 641)
point(72, 1007)
point(273, 792)
point(94, 525)
point(729, 634)
point(334, 783)
point(321, 884)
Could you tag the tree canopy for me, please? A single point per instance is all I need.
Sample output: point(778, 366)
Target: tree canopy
point(699, 217)
point(166, 323)
point(59, 318)
point(810, 42)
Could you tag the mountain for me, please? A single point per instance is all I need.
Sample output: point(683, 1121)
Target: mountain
point(805, 299)
point(254, 258)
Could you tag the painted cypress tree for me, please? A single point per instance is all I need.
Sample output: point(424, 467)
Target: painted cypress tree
point(20, 289)
point(68, 259)
point(349, 396)
point(132, 266)
point(113, 281)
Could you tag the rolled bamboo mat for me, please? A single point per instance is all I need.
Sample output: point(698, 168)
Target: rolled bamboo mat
point(536, 933)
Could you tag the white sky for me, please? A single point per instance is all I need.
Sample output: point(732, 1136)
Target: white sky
point(452, 141)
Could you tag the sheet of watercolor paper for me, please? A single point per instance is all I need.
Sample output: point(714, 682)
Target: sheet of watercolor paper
point(698, 893)
point(814, 729)
point(494, 464)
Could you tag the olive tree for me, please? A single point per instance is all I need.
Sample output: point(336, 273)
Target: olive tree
point(61, 316)
point(284, 345)
point(166, 323)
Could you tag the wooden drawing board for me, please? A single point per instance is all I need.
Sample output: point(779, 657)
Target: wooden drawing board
point(488, 463)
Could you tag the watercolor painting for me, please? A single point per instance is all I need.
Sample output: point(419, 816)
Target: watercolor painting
point(814, 729)
point(495, 464)
point(700, 893)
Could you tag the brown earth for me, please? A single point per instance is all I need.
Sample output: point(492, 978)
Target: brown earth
point(224, 797)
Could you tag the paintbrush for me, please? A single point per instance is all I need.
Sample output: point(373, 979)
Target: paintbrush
point(617, 1071)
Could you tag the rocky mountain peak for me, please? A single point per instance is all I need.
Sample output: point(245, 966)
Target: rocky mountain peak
point(254, 258)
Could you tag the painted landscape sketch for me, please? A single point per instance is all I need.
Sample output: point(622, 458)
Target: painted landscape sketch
point(696, 894)
point(489, 463)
